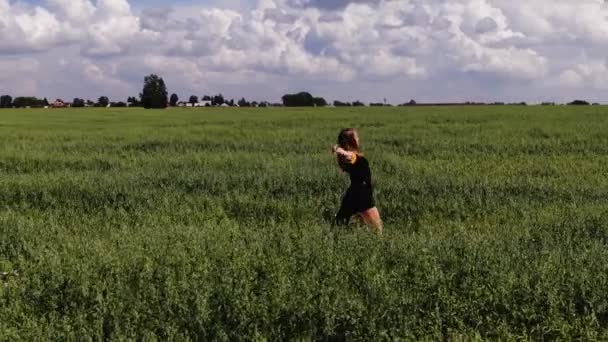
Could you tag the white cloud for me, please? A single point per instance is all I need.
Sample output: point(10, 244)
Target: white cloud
point(74, 11)
point(489, 49)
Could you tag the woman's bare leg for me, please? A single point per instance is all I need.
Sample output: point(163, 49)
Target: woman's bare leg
point(372, 218)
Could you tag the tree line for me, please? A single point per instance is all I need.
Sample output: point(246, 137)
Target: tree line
point(154, 95)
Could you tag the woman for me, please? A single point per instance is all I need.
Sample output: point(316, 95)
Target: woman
point(359, 198)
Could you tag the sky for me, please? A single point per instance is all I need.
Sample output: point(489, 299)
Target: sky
point(367, 50)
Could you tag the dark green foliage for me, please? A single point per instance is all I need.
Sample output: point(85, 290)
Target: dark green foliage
point(134, 225)
point(154, 94)
point(174, 99)
point(342, 104)
point(319, 102)
point(218, 100)
point(133, 102)
point(302, 99)
point(578, 103)
point(22, 102)
point(77, 103)
point(244, 103)
point(103, 101)
point(6, 101)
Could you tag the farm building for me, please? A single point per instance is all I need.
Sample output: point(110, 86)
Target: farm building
point(59, 104)
point(203, 104)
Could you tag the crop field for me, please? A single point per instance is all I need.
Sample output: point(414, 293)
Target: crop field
point(212, 224)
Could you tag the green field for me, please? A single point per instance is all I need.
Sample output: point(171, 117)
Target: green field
point(209, 224)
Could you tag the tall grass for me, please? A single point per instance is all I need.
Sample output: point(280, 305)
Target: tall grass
point(209, 224)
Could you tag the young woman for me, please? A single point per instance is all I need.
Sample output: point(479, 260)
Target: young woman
point(359, 198)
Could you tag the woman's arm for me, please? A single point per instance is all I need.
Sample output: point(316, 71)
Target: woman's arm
point(347, 155)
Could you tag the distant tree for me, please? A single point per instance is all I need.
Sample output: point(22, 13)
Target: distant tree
point(6, 101)
point(578, 103)
point(193, 99)
point(78, 103)
point(119, 104)
point(376, 104)
point(218, 100)
point(207, 98)
point(154, 94)
point(302, 99)
point(243, 103)
point(22, 102)
point(103, 101)
point(174, 100)
point(358, 104)
point(45, 102)
point(230, 103)
point(134, 102)
point(90, 103)
point(342, 104)
point(319, 102)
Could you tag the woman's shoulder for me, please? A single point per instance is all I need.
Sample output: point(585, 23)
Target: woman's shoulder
point(362, 160)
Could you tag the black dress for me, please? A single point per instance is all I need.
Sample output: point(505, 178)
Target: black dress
point(360, 195)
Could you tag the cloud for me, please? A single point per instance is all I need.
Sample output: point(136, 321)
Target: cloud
point(329, 4)
point(377, 48)
point(486, 25)
point(279, 16)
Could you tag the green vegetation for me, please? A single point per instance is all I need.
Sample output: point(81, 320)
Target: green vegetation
point(209, 224)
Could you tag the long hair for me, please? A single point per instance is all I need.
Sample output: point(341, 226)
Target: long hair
point(348, 139)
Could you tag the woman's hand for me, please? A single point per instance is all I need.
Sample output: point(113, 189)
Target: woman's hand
point(344, 154)
point(341, 152)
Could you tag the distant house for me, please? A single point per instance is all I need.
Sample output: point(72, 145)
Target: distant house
point(199, 104)
point(58, 104)
point(203, 104)
point(190, 105)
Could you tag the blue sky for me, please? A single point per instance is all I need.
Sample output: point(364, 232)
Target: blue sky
point(428, 50)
